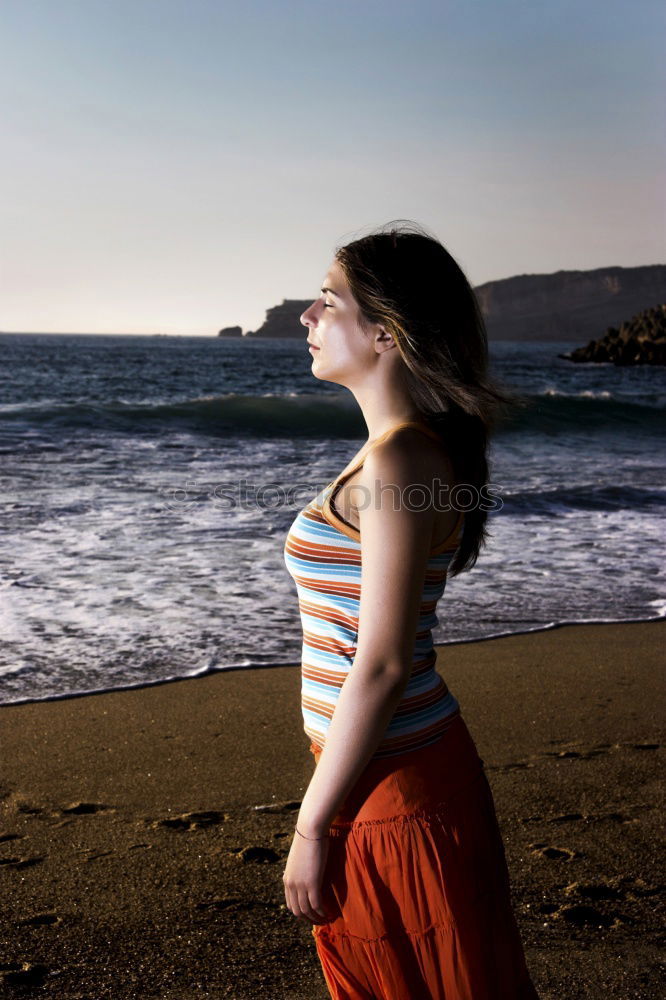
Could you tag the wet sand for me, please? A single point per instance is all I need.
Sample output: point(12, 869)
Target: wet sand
point(134, 862)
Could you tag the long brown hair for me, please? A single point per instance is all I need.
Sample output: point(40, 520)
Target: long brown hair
point(403, 278)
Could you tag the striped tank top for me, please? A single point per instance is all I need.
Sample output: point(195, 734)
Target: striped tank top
point(322, 554)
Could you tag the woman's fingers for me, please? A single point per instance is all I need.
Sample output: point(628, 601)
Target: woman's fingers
point(287, 896)
point(318, 908)
point(291, 896)
point(306, 908)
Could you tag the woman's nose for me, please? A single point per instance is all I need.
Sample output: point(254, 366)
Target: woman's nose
point(308, 318)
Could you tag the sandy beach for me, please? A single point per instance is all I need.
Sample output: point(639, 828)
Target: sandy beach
point(135, 862)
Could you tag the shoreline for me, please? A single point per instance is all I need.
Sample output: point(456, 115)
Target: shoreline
point(211, 671)
point(136, 862)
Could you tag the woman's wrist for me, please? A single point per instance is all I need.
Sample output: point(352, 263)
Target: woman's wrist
point(314, 839)
point(310, 830)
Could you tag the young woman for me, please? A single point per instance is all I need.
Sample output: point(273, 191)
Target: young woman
point(397, 858)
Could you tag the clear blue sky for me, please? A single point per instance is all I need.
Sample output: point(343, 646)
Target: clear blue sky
point(180, 165)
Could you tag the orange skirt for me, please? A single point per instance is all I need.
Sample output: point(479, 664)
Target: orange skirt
point(417, 883)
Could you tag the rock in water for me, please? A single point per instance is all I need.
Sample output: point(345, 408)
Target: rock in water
point(640, 340)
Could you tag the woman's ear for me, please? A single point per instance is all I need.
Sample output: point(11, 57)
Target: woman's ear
point(384, 341)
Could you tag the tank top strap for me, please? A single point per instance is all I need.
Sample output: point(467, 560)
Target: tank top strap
point(426, 428)
point(382, 437)
point(407, 423)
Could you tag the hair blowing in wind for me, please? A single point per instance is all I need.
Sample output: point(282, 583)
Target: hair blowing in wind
point(403, 278)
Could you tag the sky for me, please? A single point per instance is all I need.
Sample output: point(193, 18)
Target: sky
point(177, 166)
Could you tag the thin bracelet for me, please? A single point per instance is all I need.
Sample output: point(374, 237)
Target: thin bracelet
point(309, 838)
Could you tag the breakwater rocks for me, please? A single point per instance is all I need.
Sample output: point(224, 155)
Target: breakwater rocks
point(640, 340)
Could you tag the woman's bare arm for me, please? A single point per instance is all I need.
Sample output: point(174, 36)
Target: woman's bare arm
point(396, 543)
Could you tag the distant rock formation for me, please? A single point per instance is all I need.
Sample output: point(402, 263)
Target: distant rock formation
point(640, 340)
point(231, 331)
point(283, 320)
point(566, 305)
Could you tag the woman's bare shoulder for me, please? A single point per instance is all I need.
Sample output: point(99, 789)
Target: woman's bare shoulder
point(418, 455)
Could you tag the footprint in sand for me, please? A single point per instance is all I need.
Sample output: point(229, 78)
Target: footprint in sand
point(584, 753)
point(639, 889)
point(570, 751)
point(613, 817)
point(260, 855)
point(594, 890)
point(619, 887)
point(23, 974)
point(566, 818)
point(85, 808)
point(190, 820)
point(28, 808)
point(514, 765)
point(553, 853)
point(21, 862)
point(580, 915)
point(278, 807)
point(234, 904)
point(90, 854)
point(225, 903)
point(40, 920)
point(581, 911)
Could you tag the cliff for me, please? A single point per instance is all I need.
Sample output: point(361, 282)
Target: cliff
point(565, 305)
point(283, 320)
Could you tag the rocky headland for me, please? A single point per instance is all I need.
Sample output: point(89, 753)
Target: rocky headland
point(565, 305)
point(640, 340)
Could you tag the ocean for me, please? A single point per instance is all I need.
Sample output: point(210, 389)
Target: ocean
point(149, 482)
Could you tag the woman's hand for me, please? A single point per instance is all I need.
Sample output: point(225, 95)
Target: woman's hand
point(303, 879)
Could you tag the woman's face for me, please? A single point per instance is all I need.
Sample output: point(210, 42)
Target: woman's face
point(343, 350)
